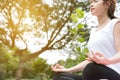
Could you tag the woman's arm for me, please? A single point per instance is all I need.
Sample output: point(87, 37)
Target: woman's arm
point(116, 58)
point(78, 67)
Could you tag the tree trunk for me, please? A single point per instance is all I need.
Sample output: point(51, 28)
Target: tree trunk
point(19, 71)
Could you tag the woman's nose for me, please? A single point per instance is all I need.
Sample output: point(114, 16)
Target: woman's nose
point(91, 5)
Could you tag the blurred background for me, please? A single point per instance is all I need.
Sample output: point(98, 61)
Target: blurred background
point(35, 34)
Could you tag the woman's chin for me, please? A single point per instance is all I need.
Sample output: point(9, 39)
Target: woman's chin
point(93, 14)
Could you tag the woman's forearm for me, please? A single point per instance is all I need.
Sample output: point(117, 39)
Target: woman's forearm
point(115, 59)
point(79, 67)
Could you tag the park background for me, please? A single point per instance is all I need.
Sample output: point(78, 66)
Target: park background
point(35, 34)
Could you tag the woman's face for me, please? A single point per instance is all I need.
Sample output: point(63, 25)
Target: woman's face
point(97, 7)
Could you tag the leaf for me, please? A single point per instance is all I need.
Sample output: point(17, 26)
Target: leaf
point(74, 31)
point(82, 33)
point(80, 13)
point(80, 26)
point(78, 49)
point(81, 39)
point(85, 50)
point(74, 18)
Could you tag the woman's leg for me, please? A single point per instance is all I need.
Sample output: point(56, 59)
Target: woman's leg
point(66, 76)
point(95, 71)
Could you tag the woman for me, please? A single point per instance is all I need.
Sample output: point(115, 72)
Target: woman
point(103, 61)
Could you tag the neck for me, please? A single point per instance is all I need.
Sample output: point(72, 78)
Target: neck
point(103, 20)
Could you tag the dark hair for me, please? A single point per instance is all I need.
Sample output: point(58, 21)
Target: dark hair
point(111, 9)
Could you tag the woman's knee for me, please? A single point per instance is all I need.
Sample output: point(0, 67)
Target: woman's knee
point(95, 71)
point(92, 70)
point(65, 78)
point(56, 76)
point(62, 76)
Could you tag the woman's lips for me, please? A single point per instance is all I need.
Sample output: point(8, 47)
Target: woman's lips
point(92, 9)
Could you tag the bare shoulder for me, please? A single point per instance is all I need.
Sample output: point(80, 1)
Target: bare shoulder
point(117, 26)
point(117, 35)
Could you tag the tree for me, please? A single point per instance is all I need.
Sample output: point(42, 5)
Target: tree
point(45, 23)
point(41, 69)
point(4, 58)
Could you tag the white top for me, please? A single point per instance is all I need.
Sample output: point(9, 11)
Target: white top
point(103, 41)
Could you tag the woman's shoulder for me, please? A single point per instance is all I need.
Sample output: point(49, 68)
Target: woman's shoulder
point(117, 35)
point(117, 21)
point(117, 24)
point(114, 22)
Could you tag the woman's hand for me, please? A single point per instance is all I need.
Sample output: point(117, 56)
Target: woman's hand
point(58, 68)
point(98, 58)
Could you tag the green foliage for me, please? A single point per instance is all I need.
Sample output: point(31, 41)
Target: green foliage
point(80, 26)
point(37, 68)
point(34, 69)
point(118, 1)
point(40, 19)
point(4, 54)
point(39, 65)
point(11, 67)
point(74, 31)
point(2, 72)
point(5, 62)
point(80, 32)
point(78, 14)
point(78, 45)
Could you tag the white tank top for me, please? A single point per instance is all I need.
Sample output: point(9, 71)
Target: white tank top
point(103, 41)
